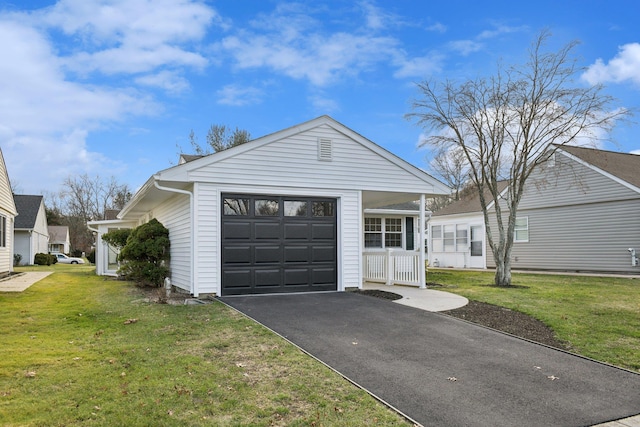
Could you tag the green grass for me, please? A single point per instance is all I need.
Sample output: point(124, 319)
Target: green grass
point(77, 349)
point(599, 317)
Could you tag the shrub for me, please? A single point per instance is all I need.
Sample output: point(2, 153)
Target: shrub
point(77, 253)
point(92, 256)
point(44, 259)
point(117, 238)
point(16, 259)
point(145, 254)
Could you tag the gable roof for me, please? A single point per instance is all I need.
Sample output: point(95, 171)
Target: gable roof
point(28, 207)
point(623, 166)
point(58, 233)
point(181, 176)
point(7, 204)
point(469, 203)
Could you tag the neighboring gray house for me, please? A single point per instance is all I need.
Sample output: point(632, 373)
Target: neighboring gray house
point(7, 217)
point(580, 212)
point(282, 213)
point(30, 231)
point(59, 241)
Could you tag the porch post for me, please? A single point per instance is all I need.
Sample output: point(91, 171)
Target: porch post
point(421, 268)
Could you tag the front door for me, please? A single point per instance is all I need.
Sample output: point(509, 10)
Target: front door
point(476, 247)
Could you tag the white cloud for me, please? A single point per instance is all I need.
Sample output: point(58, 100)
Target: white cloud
point(499, 30)
point(625, 66)
point(419, 66)
point(321, 59)
point(635, 151)
point(130, 35)
point(239, 96)
point(170, 81)
point(465, 47)
point(437, 27)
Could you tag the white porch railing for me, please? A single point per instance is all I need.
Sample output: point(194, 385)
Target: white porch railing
point(392, 267)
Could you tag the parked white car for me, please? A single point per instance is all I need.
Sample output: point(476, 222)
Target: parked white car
point(63, 259)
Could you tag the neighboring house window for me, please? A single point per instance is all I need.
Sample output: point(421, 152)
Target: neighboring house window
point(449, 238)
point(462, 239)
point(383, 232)
point(3, 231)
point(521, 230)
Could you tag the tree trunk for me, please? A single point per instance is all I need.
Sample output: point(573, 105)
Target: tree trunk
point(503, 271)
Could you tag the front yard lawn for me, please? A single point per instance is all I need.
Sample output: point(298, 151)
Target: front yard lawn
point(77, 349)
point(598, 317)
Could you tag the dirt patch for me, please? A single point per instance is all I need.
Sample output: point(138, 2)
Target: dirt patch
point(492, 316)
point(510, 321)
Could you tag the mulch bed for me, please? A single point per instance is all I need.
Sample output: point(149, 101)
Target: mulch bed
point(493, 316)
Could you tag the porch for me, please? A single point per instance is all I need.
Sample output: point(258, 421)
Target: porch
point(394, 267)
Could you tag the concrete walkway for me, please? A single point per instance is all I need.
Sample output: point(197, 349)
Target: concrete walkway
point(20, 282)
point(424, 299)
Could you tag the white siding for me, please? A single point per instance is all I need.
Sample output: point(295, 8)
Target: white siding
point(207, 246)
point(8, 209)
point(293, 162)
point(175, 216)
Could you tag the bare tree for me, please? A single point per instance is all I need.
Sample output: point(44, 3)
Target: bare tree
point(451, 166)
point(219, 138)
point(508, 124)
point(85, 198)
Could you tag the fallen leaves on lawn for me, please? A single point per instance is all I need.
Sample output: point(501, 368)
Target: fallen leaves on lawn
point(30, 374)
point(130, 321)
point(452, 379)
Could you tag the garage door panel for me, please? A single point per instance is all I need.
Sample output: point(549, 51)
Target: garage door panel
point(269, 230)
point(323, 232)
point(323, 276)
point(270, 277)
point(296, 254)
point(298, 276)
point(298, 231)
point(283, 250)
point(235, 279)
point(267, 254)
point(323, 254)
point(237, 230)
point(237, 254)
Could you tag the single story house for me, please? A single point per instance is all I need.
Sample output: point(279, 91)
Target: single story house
point(8, 214)
point(31, 235)
point(579, 212)
point(59, 241)
point(282, 213)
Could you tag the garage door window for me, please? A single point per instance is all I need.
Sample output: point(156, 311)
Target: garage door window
point(267, 208)
point(295, 208)
point(323, 209)
point(236, 206)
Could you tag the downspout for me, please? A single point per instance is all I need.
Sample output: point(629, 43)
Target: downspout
point(422, 267)
point(192, 234)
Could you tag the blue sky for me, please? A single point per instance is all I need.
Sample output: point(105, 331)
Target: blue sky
point(113, 87)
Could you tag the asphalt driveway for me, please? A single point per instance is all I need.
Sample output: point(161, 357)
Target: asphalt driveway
point(442, 371)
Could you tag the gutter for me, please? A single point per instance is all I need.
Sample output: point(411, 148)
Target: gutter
point(192, 225)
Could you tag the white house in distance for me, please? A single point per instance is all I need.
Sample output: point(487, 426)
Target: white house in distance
point(282, 213)
point(30, 231)
point(580, 212)
point(59, 241)
point(8, 213)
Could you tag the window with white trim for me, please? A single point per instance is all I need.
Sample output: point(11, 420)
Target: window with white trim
point(521, 230)
point(437, 245)
point(449, 238)
point(462, 239)
point(383, 232)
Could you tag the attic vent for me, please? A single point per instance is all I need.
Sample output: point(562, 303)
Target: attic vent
point(324, 149)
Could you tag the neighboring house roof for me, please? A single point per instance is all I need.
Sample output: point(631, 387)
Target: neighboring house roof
point(111, 214)
point(621, 165)
point(28, 207)
point(58, 234)
point(7, 204)
point(469, 203)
